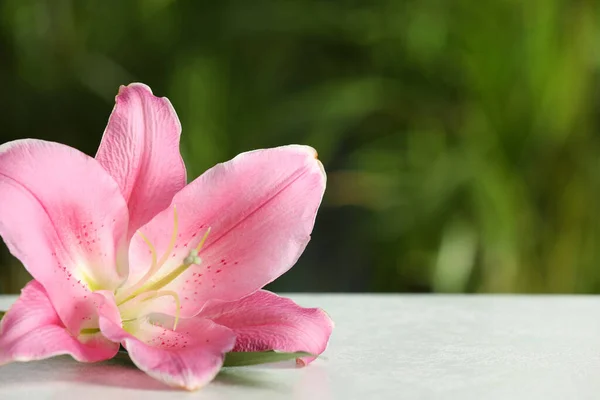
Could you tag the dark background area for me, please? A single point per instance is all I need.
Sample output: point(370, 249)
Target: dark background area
point(461, 139)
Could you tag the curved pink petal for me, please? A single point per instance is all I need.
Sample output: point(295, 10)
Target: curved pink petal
point(260, 208)
point(64, 217)
point(265, 321)
point(188, 357)
point(31, 330)
point(140, 149)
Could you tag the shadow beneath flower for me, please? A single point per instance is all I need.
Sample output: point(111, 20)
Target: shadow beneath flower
point(121, 373)
point(115, 373)
point(310, 382)
point(249, 378)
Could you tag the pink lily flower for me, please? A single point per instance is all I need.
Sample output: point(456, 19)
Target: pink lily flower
point(122, 251)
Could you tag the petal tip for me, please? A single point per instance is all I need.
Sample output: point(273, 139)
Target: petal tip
point(313, 156)
point(136, 87)
point(300, 363)
point(327, 317)
point(322, 168)
point(139, 85)
point(192, 388)
point(311, 151)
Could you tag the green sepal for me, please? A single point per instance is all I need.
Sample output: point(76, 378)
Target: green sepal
point(240, 359)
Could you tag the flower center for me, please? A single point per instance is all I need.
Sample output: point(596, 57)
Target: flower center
point(134, 301)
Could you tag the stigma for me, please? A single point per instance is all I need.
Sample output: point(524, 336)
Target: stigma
point(192, 258)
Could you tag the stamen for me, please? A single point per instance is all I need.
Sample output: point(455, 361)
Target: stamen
point(177, 304)
point(130, 311)
point(173, 238)
point(201, 244)
point(155, 266)
point(170, 277)
point(192, 258)
point(143, 286)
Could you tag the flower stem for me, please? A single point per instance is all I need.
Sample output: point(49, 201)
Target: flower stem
point(2, 314)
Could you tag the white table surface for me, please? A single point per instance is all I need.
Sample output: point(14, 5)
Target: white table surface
point(383, 347)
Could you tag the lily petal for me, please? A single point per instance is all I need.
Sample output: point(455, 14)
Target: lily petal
point(31, 330)
point(260, 208)
point(140, 150)
point(188, 357)
point(64, 218)
point(266, 321)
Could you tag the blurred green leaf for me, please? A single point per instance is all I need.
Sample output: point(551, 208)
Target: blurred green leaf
point(460, 139)
point(238, 359)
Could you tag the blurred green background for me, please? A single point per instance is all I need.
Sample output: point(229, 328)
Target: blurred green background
point(461, 139)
